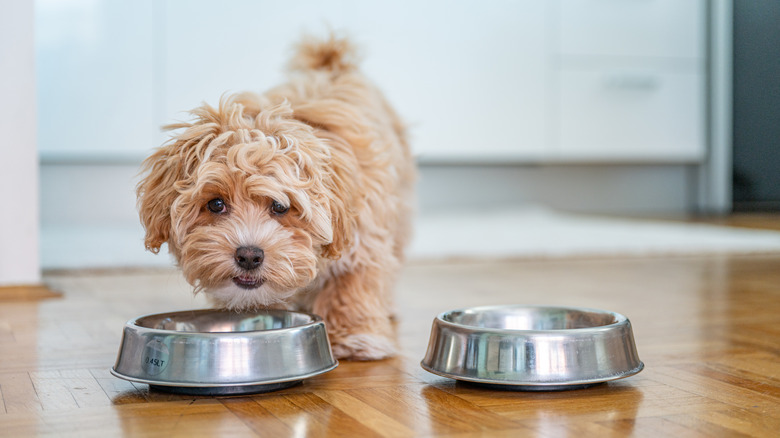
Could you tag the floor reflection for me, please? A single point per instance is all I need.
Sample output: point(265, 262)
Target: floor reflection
point(609, 407)
point(611, 410)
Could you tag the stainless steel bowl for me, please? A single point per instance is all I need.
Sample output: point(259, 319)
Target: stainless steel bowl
point(219, 352)
point(532, 348)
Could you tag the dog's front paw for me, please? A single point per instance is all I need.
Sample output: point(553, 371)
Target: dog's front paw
point(363, 346)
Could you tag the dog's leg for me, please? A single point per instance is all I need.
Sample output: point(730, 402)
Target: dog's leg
point(357, 315)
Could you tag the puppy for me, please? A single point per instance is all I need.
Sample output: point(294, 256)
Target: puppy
point(297, 198)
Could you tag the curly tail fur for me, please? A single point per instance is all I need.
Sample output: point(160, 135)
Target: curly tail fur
point(335, 54)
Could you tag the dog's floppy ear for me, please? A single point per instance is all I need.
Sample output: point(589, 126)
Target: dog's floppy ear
point(156, 193)
point(342, 193)
point(331, 209)
point(342, 225)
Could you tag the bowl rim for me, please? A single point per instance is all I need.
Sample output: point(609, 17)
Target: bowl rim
point(620, 319)
point(133, 323)
point(534, 383)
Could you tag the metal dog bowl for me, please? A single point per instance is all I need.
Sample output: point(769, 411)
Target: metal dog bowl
point(220, 352)
point(532, 348)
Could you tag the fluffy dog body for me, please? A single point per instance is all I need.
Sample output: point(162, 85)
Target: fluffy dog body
point(297, 198)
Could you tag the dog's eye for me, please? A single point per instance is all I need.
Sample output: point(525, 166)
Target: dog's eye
point(279, 208)
point(216, 205)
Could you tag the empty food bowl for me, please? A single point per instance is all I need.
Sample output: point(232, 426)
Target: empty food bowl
point(532, 347)
point(220, 352)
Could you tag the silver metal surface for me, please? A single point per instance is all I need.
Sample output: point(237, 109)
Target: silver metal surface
point(532, 348)
point(220, 352)
point(225, 390)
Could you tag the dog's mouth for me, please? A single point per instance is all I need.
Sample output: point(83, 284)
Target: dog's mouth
point(247, 282)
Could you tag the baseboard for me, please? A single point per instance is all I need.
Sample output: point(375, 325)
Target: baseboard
point(27, 293)
point(756, 206)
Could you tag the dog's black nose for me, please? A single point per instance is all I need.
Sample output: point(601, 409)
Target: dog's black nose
point(249, 257)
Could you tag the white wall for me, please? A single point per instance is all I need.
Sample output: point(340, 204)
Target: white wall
point(18, 155)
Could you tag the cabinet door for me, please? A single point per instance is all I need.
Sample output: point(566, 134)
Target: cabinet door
point(472, 78)
point(96, 79)
point(609, 114)
point(469, 78)
point(632, 28)
point(630, 80)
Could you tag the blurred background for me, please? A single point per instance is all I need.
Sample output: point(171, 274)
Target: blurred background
point(618, 107)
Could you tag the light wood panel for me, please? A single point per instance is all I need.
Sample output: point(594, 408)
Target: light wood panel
point(26, 292)
point(706, 328)
point(763, 221)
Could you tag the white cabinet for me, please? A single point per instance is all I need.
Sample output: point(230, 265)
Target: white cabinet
point(97, 82)
point(630, 81)
point(644, 114)
point(522, 81)
point(506, 81)
point(470, 78)
point(631, 28)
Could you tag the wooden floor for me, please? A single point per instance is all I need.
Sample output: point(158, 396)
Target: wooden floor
point(707, 329)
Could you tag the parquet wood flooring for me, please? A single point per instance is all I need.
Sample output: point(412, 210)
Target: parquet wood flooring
point(707, 329)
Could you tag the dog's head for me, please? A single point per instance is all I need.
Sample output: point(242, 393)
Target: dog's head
point(249, 201)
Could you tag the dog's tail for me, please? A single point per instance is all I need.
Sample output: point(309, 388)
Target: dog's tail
point(334, 54)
